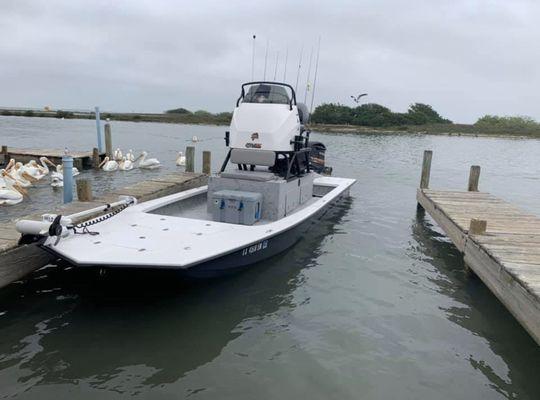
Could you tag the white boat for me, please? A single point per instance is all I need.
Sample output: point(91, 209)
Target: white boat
point(258, 208)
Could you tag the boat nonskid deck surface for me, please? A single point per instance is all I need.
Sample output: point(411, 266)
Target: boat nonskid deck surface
point(141, 236)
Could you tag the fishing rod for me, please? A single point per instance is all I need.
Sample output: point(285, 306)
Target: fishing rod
point(315, 77)
point(308, 75)
point(285, 66)
point(299, 66)
point(253, 60)
point(266, 59)
point(275, 69)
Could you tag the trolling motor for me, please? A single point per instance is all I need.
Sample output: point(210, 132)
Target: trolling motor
point(59, 226)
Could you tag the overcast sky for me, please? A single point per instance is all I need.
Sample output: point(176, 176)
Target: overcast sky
point(467, 58)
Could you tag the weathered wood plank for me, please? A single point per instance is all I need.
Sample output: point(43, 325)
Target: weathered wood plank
point(506, 256)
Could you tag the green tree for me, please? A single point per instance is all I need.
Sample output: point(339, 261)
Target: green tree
point(420, 113)
point(508, 122)
point(178, 111)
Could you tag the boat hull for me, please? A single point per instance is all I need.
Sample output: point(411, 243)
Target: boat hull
point(256, 252)
point(236, 261)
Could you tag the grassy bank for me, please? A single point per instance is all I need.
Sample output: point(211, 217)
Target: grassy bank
point(205, 118)
point(191, 118)
point(434, 129)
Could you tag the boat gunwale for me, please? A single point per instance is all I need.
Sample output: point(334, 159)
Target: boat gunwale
point(341, 185)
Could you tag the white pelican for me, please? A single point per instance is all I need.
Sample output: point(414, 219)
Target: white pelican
point(44, 161)
point(150, 163)
point(11, 193)
point(181, 160)
point(60, 168)
point(117, 155)
point(125, 164)
point(17, 173)
point(57, 182)
point(108, 165)
point(130, 156)
point(34, 170)
point(194, 139)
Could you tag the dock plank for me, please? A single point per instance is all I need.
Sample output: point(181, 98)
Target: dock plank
point(506, 257)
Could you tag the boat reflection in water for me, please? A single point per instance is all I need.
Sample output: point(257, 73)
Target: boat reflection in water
point(125, 331)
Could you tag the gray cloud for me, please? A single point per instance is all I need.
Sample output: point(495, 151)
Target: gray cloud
point(465, 57)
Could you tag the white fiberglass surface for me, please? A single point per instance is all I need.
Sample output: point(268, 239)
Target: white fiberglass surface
point(139, 237)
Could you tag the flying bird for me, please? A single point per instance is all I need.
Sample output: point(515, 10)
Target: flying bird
point(356, 99)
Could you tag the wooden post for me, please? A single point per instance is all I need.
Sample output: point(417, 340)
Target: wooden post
point(95, 158)
point(477, 227)
point(98, 130)
point(84, 190)
point(108, 140)
point(474, 177)
point(206, 162)
point(426, 169)
point(190, 159)
point(5, 158)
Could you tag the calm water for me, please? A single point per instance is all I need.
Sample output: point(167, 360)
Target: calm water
point(373, 304)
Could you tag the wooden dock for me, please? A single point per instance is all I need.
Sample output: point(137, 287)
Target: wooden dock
point(81, 159)
point(500, 243)
point(17, 261)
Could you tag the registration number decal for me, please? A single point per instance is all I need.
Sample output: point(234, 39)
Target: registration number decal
point(255, 248)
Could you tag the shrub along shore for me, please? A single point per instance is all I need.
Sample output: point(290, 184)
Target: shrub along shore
point(335, 118)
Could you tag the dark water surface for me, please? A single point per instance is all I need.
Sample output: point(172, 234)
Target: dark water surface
point(374, 303)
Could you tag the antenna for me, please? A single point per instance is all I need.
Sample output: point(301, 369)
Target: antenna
point(315, 77)
point(299, 66)
point(253, 60)
point(285, 67)
point(275, 69)
point(308, 74)
point(266, 59)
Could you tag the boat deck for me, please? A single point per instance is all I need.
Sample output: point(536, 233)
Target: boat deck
point(142, 237)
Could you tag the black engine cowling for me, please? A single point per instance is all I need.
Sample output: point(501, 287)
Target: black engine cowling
point(317, 155)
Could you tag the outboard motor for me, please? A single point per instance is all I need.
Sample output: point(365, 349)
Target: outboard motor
point(317, 155)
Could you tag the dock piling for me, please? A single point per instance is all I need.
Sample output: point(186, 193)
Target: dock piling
point(5, 157)
point(95, 158)
point(84, 190)
point(477, 227)
point(190, 159)
point(474, 178)
point(108, 140)
point(98, 129)
point(206, 157)
point(426, 169)
point(67, 164)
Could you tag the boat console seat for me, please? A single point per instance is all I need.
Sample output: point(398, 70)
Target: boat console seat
point(258, 176)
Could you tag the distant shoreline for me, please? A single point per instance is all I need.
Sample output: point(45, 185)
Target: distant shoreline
point(194, 119)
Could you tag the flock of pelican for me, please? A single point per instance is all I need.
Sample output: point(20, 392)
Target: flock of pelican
point(16, 177)
point(127, 162)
